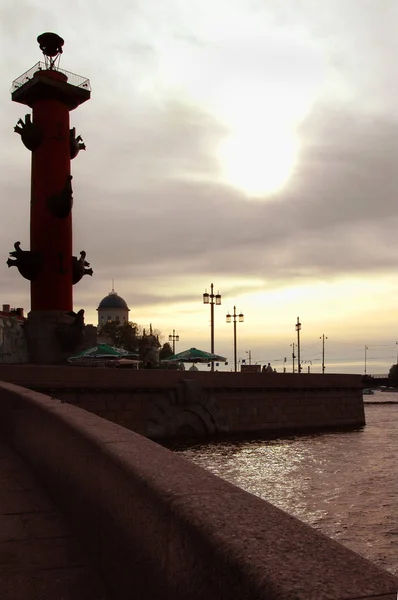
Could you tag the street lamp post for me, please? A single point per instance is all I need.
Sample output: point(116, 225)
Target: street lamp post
point(241, 318)
point(174, 338)
point(366, 351)
point(249, 352)
point(323, 338)
point(293, 355)
point(298, 328)
point(212, 299)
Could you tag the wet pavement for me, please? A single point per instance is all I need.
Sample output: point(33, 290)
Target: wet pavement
point(40, 557)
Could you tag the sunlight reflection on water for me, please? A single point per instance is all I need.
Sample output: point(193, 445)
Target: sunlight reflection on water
point(344, 484)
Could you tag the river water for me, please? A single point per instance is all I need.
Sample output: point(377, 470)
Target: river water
point(343, 484)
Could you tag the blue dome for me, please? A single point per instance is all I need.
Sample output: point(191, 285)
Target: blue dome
point(112, 300)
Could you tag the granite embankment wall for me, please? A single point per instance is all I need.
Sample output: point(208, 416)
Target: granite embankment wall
point(166, 404)
point(160, 527)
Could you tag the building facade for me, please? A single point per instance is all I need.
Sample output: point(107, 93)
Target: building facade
point(112, 308)
point(13, 348)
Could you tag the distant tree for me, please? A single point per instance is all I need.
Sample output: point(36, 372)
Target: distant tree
point(122, 335)
point(157, 333)
point(165, 351)
point(134, 338)
point(148, 347)
point(393, 375)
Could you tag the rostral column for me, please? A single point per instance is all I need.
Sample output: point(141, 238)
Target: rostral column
point(53, 330)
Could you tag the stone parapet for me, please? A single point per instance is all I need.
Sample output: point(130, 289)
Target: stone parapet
point(68, 376)
point(160, 527)
point(168, 404)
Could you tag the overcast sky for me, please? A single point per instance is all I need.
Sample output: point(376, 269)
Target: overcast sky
point(249, 143)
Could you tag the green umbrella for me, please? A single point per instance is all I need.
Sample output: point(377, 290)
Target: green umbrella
point(193, 355)
point(100, 351)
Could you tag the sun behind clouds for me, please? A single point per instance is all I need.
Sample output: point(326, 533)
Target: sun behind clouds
point(259, 162)
point(257, 81)
point(260, 151)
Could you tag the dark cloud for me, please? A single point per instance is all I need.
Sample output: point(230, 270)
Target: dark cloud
point(331, 219)
point(336, 207)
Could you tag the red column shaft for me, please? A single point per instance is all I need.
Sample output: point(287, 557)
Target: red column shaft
point(50, 235)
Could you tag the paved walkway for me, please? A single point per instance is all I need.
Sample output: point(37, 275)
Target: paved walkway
point(40, 558)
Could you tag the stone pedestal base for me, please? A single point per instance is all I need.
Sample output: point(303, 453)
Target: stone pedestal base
point(52, 336)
